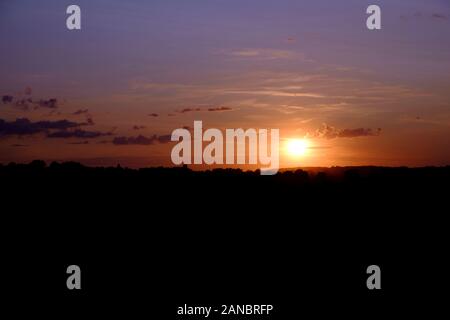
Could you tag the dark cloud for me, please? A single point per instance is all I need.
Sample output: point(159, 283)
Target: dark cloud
point(79, 142)
point(439, 16)
point(185, 110)
point(329, 132)
point(50, 103)
point(18, 145)
point(24, 126)
point(141, 140)
point(80, 111)
point(359, 132)
point(28, 90)
point(78, 133)
point(89, 121)
point(165, 138)
point(220, 109)
point(26, 103)
point(153, 115)
point(52, 129)
point(23, 103)
point(211, 109)
point(7, 99)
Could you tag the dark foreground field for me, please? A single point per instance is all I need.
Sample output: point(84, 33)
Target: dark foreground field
point(150, 240)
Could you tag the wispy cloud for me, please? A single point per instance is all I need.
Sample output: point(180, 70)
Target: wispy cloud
point(439, 16)
point(263, 54)
point(220, 109)
point(80, 111)
point(78, 133)
point(269, 92)
point(330, 132)
point(185, 110)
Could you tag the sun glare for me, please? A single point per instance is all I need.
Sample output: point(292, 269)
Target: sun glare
point(297, 147)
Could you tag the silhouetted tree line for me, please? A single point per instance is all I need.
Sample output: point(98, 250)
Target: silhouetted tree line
point(326, 210)
point(367, 178)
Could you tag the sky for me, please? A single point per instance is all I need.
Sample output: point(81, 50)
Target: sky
point(114, 91)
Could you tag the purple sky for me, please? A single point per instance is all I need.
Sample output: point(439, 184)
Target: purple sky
point(301, 66)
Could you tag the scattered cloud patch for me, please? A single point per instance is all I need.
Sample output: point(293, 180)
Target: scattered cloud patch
point(24, 126)
point(26, 103)
point(198, 109)
point(220, 109)
point(185, 110)
point(7, 99)
point(81, 111)
point(439, 16)
point(141, 140)
point(18, 145)
point(50, 103)
point(78, 133)
point(330, 132)
point(89, 121)
point(165, 138)
point(51, 129)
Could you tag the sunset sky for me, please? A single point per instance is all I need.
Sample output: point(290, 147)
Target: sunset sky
point(114, 91)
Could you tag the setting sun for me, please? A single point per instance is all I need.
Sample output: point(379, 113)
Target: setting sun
point(297, 147)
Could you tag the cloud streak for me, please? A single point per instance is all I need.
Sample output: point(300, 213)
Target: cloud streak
point(210, 109)
point(24, 126)
point(80, 111)
point(439, 16)
point(220, 109)
point(264, 54)
point(141, 140)
point(330, 132)
point(78, 133)
point(186, 110)
point(52, 129)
